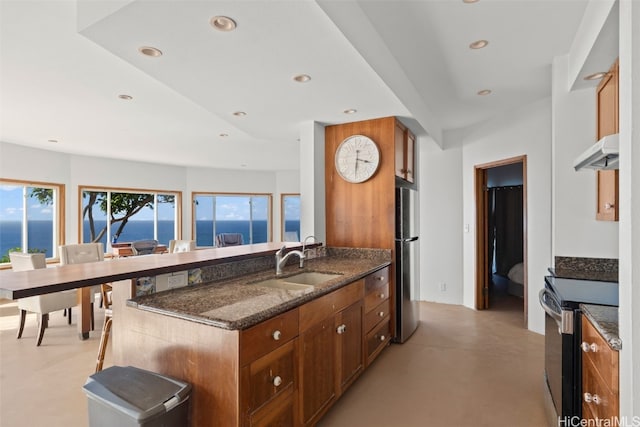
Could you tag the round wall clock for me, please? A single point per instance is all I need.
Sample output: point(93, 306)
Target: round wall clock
point(357, 158)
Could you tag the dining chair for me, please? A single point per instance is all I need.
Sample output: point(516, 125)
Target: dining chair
point(82, 253)
point(181, 246)
point(42, 305)
point(144, 247)
point(228, 239)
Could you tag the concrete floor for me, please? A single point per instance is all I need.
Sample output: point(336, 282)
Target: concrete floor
point(460, 368)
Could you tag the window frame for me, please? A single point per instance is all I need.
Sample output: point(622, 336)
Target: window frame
point(282, 213)
point(176, 193)
point(59, 211)
point(195, 194)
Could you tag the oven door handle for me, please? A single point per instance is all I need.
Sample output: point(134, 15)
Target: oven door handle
point(550, 311)
point(564, 318)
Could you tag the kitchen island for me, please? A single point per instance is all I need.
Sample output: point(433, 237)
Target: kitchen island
point(262, 355)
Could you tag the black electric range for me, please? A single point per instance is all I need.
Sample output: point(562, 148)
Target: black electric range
point(560, 299)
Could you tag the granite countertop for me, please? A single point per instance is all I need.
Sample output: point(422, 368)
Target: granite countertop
point(240, 303)
point(605, 320)
point(601, 276)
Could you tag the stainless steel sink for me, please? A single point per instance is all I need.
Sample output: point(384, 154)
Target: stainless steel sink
point(312, 278)
point(298, 282)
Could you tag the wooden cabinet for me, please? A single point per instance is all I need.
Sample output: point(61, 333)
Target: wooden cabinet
point(600, 378)
point(330, 349)
point(607, 124)
point(269, 354)
point(405, 143)
point(377, 314)
point(285, 371)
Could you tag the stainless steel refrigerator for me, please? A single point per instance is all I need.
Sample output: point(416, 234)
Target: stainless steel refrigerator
point(407, 266)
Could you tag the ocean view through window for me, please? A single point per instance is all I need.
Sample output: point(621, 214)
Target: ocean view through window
point(117, 215)
point(30, 217)
point(247, 214)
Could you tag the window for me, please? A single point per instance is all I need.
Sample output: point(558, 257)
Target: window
point(247, 214)
point(116, 215)
point(30, 217)
point(290, 211)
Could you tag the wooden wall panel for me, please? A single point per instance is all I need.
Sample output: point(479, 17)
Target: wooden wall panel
point(361, 215)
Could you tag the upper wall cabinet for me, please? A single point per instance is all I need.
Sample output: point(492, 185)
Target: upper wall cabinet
point(607, 124)
point(405, 144)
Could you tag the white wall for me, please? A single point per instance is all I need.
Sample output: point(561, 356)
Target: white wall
point(576, 232)
point(526, 131)
point(24, 163)
point(629, 277)
point(440, 184)
point(311, 178)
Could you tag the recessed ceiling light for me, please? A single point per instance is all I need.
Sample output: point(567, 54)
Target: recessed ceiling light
point(596, 76)
point(302, 78)
point(125, 97)
point(470, 1)
point(350, 111)
point(52, 140)
point(223, 23)
point(224, 135)
point(240, 113)
point(150, 51)
point(484, 92)
point(478, 44)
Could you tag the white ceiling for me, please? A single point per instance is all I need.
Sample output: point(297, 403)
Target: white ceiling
point(64, 64)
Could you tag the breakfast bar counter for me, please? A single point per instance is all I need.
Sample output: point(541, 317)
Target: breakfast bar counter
point(21, 284)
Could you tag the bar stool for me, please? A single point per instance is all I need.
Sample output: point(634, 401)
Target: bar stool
point(106, 328)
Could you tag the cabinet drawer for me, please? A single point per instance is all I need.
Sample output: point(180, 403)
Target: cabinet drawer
point(375, 316)
point(269, 376)
point(281, 411)
point(376, 296)
point(267, 336)
point(377, 339)
point(597, 397)
point(319, 309)
point(376, 279)
point(600, 354)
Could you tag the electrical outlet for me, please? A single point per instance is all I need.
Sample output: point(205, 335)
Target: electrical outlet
point(443, 287)
point(176, 281)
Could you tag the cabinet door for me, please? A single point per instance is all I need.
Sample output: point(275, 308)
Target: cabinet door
point(399, 138)
point(607, 181)
point(349, 345)
point(410, 164)
point(317, 368)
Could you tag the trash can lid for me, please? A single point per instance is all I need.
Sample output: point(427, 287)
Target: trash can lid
point(139, 393)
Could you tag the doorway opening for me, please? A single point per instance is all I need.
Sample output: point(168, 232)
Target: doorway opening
point(501, 238)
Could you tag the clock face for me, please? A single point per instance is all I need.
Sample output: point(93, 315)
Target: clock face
point(357, 158)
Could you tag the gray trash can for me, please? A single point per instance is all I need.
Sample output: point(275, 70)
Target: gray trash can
point(129, 396)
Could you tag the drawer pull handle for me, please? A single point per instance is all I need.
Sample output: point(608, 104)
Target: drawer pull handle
point(276, 335)
point(341, 329)
point(381, 278)
point(382, 337)
point(588, 398)
point(381, 314)
point(277, 381)
point(381, 295)
point(586, 347)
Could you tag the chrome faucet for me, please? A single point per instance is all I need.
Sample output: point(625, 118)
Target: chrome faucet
point(282, 260)
point(304, 249)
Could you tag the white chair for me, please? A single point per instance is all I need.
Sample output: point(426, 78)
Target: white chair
point(79, 254)
point(40, 304)
point(181, 246)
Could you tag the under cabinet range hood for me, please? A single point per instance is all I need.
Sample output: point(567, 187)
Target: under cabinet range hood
point(601, 155)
